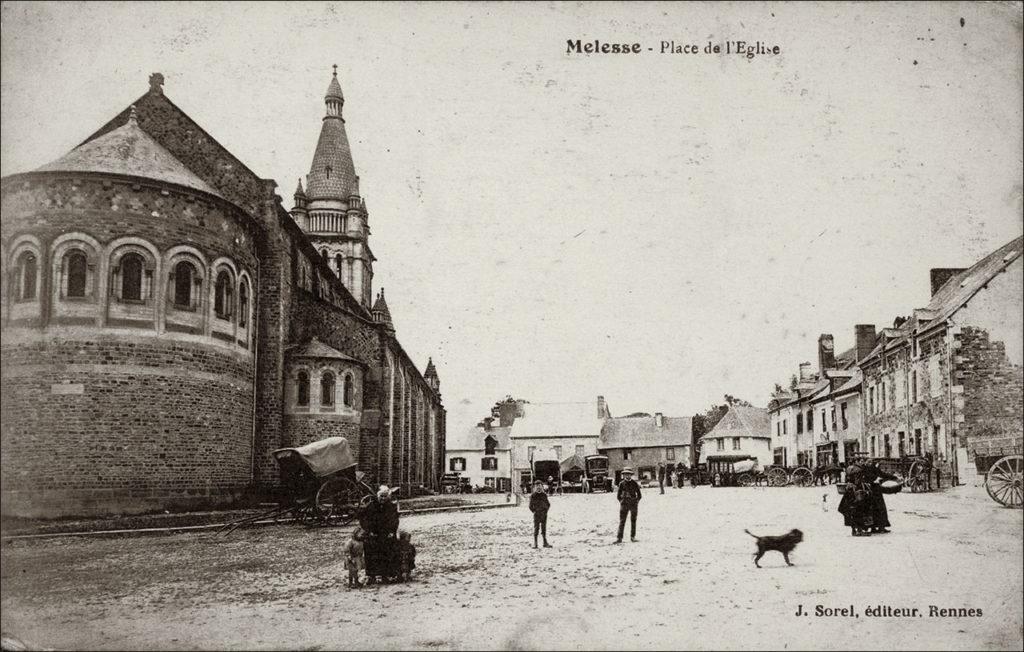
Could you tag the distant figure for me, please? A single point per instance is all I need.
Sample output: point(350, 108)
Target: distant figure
point(629, 500)
point(661, 478)
point(540, 505)
point(406, 554)
point(354, 557)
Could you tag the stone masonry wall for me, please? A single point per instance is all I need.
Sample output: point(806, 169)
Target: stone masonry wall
point(118, 424)
point(992, 405)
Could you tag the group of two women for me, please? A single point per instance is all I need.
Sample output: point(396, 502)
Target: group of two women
point(863, 504)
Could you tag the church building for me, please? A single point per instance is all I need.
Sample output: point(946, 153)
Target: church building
point(168, 324)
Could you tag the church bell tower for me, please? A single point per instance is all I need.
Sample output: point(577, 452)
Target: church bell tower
point(330, 209)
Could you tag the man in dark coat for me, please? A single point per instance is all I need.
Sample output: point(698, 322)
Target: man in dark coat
point(539, 505)
point(661, 477)
point(629, 500)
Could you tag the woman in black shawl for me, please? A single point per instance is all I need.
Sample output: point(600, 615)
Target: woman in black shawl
point(880, 515)
point(857, 505)
point(380, 522)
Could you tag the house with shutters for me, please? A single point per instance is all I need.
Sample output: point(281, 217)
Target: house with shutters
point(744, 432)
point(483, 454)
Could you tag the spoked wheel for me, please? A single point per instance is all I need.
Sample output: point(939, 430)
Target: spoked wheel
point(777, 478)
point(1003, 481)
point(917, 477)
point(338, 501)
point(745, 480)
point(802, 477)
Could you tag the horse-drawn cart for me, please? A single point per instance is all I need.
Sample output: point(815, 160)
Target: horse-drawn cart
point(782, 476)
point(1003, 482)
point(319, 486)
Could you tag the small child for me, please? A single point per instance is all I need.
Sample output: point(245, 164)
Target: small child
point(354, 558)
point(406, 554)
point(540, 505)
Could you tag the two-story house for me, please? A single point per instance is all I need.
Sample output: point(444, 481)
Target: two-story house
point(643, 442)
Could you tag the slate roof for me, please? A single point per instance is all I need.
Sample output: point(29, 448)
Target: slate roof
point(472, 439)
point(956, 292)
point(130, 151)
point(334, 152)
point(742, 421)
point(317, 349)
point(643, 432)
point(558, 420)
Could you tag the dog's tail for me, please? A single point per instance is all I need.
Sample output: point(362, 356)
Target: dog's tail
point(751, 534)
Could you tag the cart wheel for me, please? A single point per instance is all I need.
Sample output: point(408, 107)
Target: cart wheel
point(1003, 481)
point(777, 478)
point(745, 480)
point(338, 501)
point(802, 477)
point(917, 477)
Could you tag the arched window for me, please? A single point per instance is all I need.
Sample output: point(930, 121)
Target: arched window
point(77, 271)
point(327, 389)
point(302, 388)
point(131, 277)
point(348, 390)
point(26, 276)
point(243, 303)
point(338, 262)
point(223, 296)
point(184, 274)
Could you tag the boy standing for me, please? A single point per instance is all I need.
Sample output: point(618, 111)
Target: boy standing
point(539, 505)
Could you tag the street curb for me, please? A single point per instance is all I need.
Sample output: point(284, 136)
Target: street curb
point(213, 526)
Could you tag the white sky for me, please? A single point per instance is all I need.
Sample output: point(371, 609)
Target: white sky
point(659, 229)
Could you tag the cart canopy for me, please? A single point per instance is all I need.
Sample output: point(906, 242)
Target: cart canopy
point(572, 462)
point(326, 456)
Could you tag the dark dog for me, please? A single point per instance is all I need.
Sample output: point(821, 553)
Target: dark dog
point(783, 544)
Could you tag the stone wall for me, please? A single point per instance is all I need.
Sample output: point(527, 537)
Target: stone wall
point(101, 422)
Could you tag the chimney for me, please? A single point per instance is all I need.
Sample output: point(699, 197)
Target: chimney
point(659, 420)
point(865, 336)
point(602, 408)
point(805, 372)
point(487, 423)
point(940, 275)
point(826, 353)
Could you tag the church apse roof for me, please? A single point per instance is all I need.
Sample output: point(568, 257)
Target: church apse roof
point(130, 151)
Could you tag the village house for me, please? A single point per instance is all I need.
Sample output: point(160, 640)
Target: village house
point(643, 442)
point(482, 454)
point(818, 422)
point(947, 381)
point(744, 432)
point(554, 431)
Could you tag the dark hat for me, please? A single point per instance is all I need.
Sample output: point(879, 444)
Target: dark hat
point(538, 481)
point(627, 470)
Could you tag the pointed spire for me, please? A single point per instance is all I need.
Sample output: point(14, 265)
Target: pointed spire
point(380, 311)
point(430, 375)
point(332, 174)
point(334, 89)
point(299, 192)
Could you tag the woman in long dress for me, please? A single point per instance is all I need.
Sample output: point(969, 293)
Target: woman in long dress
point(857, 505)
point(380, 522)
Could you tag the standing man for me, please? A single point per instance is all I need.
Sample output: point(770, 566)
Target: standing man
point(629, 499)
point(661, 478)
